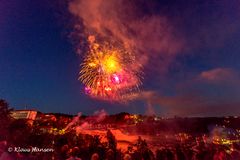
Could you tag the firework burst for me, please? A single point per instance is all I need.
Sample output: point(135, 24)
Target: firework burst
point(109, 72)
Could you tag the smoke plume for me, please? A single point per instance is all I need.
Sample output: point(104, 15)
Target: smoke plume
point(146, 35)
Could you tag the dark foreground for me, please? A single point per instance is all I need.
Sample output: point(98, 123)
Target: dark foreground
point(121, 137)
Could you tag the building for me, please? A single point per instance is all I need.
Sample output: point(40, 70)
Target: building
point(24, 114)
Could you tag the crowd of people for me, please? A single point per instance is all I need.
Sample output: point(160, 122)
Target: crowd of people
point(72, 146)
point(18, 138)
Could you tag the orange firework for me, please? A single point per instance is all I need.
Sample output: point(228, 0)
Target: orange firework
point(108, 71)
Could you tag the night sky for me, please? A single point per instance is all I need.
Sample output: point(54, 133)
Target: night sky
point(191, 52)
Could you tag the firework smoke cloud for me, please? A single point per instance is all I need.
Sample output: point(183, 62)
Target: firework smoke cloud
point(134, 37)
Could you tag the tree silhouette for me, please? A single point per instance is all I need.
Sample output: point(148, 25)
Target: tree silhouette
point(112, 143)
point(5, 118)
point(142, 152)
point(19, 132)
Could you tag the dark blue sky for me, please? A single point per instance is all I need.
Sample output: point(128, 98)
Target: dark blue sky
point(39, 67)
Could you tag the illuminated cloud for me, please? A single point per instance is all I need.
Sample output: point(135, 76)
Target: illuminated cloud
point(148, 36)
point(193, 104)
point(219, 74)
point(215, 92)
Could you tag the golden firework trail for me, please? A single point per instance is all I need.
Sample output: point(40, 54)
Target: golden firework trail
point(109, 72)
